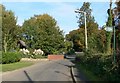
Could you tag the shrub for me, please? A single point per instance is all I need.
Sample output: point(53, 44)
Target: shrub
point(26, 55)
point(25, 51)
point(100, 65)
point(38, 56)
point(71, 52)
point(38, 52)
point(11, 57)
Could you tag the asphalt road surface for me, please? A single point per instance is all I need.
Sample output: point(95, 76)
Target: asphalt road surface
point(58, 70)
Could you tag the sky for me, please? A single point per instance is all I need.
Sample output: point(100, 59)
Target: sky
point(63, 12)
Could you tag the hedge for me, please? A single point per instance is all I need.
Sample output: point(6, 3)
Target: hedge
point(11, 57)
point(38, 56)
point(100, 65)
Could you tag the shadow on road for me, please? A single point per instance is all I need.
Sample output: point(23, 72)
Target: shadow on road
point(30, 80)
point(63, 73)
point(69, 64)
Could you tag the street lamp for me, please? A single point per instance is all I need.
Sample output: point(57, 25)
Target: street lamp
point(86, 45)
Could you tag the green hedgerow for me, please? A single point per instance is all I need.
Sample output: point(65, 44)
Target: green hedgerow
point(11, 57)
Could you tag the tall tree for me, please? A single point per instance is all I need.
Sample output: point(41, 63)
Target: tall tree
point(92, 27)
point(89, 17)
point(77, 37)
point(8, 29)
point(44, 32)
point(109, 34)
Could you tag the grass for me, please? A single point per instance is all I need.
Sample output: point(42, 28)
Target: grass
point(14, 66)
point(89, 74)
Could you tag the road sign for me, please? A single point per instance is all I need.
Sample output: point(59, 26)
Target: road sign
point(109, 29)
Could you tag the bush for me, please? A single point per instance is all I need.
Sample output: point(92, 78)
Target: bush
point(38, 56)
point(10, 57)
point(26, 55)
point(100, 65)
point(71, 52)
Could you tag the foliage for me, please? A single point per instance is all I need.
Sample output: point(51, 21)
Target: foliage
point(71, 52)
point(88, 74)
point(38, 56)
point(42, 32)
point(101, 41)
point(118, 5)
point(109, 34)
point(38, 51)
point(101, 66)
point(9, 29)
point(78, 36)
point(26, 55)
point(24, 51)
point(68, 45)
point(97, 58)
point(89, 17)
point(10, 57)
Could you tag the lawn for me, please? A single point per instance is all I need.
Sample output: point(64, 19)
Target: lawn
point(14, 66)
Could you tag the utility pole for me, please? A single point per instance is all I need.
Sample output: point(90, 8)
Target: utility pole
point(86, 43)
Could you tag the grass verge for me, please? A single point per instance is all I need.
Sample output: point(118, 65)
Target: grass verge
point(14, 66)
point(89, 75)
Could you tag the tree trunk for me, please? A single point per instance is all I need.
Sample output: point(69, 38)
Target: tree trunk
point(5, 44)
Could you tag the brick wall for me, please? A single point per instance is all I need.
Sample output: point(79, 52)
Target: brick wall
point(55, 57)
